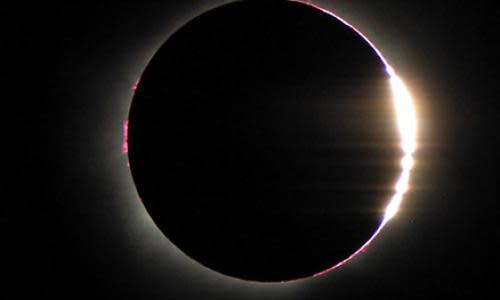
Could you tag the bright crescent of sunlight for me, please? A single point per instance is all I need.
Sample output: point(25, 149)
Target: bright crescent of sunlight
point(407, 125)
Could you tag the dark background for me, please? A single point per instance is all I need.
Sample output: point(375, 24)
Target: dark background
point(75, 232)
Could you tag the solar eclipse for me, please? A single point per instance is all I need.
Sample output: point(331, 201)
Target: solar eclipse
point(265, 139)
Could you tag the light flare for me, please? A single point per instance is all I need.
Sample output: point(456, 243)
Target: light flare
point(407, 125)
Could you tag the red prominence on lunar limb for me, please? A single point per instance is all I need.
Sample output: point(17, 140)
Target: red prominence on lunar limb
point(136, 83)
point(125, 137)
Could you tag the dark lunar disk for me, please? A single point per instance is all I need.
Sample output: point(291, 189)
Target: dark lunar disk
point(263, 142)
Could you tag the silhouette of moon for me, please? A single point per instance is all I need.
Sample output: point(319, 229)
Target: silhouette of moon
point(263, 140)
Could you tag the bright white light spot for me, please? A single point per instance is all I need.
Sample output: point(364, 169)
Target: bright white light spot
point(407, 124)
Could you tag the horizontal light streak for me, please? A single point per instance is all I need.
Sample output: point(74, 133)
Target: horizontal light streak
point(407, 125)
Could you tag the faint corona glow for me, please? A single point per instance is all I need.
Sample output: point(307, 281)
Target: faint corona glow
point(407, 125)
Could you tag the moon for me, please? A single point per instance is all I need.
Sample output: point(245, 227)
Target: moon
point(270, 141)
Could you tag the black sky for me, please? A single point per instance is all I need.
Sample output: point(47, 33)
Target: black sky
point(70, 230)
